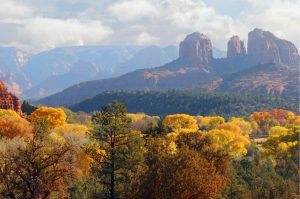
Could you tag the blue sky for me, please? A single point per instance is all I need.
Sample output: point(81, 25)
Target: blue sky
point(36, 25)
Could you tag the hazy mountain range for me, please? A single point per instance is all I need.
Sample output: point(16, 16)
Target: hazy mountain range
point(42, 74)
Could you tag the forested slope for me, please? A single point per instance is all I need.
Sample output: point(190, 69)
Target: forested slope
point(189, 102)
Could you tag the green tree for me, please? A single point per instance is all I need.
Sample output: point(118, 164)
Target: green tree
point(114, 133)
point(27, 107)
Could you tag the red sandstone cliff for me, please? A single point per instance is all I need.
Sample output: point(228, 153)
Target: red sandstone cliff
point(196, 49)
point(235, 48)
point(264, 47)
point(8, 100)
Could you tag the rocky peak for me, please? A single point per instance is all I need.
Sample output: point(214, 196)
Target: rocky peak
point(196, 49)
point(265, 47)
point(235, 48)
point(8, 100)
point(2, 88)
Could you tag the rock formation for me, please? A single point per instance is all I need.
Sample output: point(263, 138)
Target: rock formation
point(264, 47)
point(196, 50)
point(235, 48)
point(8, 100)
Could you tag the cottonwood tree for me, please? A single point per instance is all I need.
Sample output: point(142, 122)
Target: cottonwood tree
point(188, 173)
point(180, 123)
point(11, 127)
point(55, 116)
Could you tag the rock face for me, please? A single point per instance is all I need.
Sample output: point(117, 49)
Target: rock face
point(196, 49)
point(264, 47)
point(235, 48)
point(8, 100)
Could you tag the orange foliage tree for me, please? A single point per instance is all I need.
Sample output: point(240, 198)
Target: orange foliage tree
point(186, 174)
point(262, 119)
point(11, 126)
point(282, 116)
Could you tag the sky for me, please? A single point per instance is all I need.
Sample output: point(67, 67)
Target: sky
point(37, 25)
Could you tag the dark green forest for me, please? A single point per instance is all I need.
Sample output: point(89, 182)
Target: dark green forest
point(190, 102)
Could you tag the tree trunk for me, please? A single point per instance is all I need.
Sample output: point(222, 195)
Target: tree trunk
point(112, 175)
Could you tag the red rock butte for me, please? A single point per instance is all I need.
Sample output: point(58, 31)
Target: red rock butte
point(263, 47)
point(196, 49)
point(235, 48)
point(8, 100)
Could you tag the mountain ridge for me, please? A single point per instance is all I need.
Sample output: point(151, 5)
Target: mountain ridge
point(195, 65)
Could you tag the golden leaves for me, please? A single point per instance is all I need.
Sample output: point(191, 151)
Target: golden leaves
point(180, 123)
point(55, 116)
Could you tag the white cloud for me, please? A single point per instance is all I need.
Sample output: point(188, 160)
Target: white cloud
point(12, 11)
point(47, 24)
point(145, 38)
point(186, 16)
point(282, 18)
point(45, 33)
point(133, 10)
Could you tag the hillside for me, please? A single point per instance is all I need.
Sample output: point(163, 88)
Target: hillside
point(189, 102)
point(275, 79)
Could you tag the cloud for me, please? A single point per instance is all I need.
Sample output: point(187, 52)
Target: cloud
point(282, 18)
point(189, 16)
point(50, 33)
point(11, 11)
point(145, 38)
point(133, 10)
point(38, 25)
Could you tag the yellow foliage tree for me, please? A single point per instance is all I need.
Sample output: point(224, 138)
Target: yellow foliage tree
point(294, 121)
point(234, 143)
point(229, 126)
point(76, 136)
point(55, 116)
point(4, 112)
point(142, 122)
point(282, 143)
point(245, 126)
point(278, 131)
point(210, 122)
point(221, 137)
point(180, 123)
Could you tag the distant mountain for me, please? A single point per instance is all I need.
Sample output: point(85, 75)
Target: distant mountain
point(30, 75)
point(12, 59)
point(60, 60)
point(196, 65)
point(149, 57)
point(108, 61)
point(190, 102)
point(11, 66)
point(80, 71)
